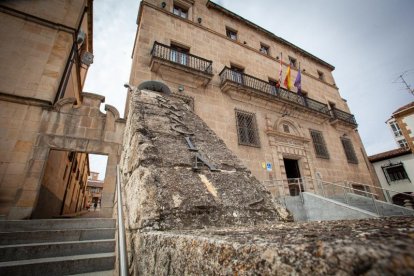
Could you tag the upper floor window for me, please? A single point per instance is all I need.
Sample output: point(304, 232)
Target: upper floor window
point(403, 143)
point(237, 73)
point(232, 34)
point(264, 49)
point(349, 150)
point(321, 76)
point(396, 129)
point(274, 85)
point(292, 61)
point(319, 144)
point(179, 54)
point(247, 129)
point(395, 172)
point(180, 11)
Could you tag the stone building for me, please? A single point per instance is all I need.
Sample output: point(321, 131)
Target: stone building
point(226, 68)
point(94, 189)
point(45, 54)
point(64, 181)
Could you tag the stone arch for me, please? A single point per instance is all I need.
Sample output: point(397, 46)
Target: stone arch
point(82, 128)
point(293, 126)
point(154, 86)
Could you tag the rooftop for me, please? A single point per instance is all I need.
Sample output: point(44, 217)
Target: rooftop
point(389, 154)
point(211, 4)
point(403, 108)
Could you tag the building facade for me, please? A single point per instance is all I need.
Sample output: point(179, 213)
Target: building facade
point(226, 68)
point(395, 168)
point(45, 52)
point(401, 124)
point(94, 189)
point(63, 188)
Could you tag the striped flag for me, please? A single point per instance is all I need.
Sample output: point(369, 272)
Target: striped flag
point(288, 79)
point(280, 69)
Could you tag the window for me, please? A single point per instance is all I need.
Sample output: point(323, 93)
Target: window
point(274, 85)
point(66, 170)
point(403, 143)
point(321, 76)
point(247, 129)
point(349, 150)
point(236, 73)
point(395, 172)
point(232, 34)
point(292, 61)
point(264, 49)
point(319, 144)
point(179, 54)
point(396, 129)
point(286, 128)
point(180, 11)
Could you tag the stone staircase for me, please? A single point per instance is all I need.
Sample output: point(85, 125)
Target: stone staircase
point(385, 209)
point(57, 247)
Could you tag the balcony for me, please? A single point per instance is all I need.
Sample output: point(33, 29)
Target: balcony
point(170, 60)
point(230, 78)
point(343, 116)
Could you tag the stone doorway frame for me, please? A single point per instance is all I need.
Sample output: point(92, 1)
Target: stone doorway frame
point(69, 127)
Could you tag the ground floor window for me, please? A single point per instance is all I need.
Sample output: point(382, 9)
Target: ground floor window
point(247, 129)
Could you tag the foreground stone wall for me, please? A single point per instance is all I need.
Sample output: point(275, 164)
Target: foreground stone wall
point(164, 191)
point(358, 247)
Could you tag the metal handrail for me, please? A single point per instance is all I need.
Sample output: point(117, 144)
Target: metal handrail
point(123, 255)
point(344, 116)
point(166, 52)
point(228, 74)
point(380, 188)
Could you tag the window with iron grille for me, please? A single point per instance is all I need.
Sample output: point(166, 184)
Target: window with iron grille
point(247, 129)
point(319, 144)
point(395, 172)
point(349, 150)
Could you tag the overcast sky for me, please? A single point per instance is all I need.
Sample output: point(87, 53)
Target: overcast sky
point(370, 43)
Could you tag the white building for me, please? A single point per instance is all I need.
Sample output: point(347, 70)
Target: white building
point(395, 168)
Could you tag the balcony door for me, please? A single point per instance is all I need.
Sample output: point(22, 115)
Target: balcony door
point(179, 54)
point(237, 74)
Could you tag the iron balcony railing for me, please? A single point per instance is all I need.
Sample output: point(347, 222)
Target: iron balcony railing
point(343, 116)
point(228, 74)
point(168, 53)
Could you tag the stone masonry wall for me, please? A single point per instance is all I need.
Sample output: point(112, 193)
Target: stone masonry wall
point(358, 247)
point(164, 191)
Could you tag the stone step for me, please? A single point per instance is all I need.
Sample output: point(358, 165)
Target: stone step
point(60, 265)
point(54, 249)
point(98, 273)
point(55, 224)
point(44, 236)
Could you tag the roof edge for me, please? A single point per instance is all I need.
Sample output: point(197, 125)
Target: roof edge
point(211, 4)
point(388, 154)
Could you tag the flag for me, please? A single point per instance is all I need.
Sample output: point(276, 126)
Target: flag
point(280, 69)
point(298, 81)
point(288, 80)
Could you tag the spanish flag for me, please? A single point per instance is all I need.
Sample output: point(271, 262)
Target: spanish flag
point(288, 79)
